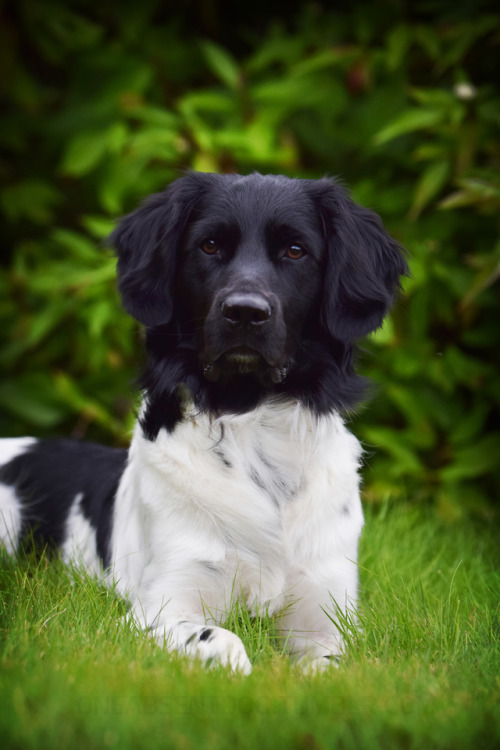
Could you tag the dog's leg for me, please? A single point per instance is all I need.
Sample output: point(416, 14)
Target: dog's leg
point(314, 620)
point(180, 624)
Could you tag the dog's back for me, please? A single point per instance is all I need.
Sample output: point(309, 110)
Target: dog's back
point(53, 491)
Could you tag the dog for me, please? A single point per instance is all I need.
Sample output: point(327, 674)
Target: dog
point(241, 481)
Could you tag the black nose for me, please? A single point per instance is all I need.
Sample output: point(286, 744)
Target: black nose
point(246, 309)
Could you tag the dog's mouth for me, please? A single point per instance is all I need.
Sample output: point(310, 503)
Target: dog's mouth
point(243, 360)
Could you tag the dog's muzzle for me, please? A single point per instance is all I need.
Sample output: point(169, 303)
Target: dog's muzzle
point(249, 338)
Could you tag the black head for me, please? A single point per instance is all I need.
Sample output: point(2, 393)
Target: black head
point(253, 286)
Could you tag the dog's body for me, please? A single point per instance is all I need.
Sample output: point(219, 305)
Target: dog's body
point(241, 479)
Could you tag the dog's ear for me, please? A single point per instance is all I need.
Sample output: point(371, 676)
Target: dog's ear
point(363, 265)
point(147, 244)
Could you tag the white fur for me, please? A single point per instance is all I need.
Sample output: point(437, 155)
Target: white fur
point(10, 510)
point(193, 530)
point(262, 506)
point(80, 544)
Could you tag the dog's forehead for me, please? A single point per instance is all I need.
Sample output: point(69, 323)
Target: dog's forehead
point(262, 199)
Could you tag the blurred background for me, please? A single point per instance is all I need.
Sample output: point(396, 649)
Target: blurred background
point(104, 103)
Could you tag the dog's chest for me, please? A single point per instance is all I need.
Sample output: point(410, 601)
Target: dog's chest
point(266, 452)
point(228, 480)
point(236, 505)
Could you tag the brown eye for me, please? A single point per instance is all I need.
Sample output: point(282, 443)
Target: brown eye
point(294, 252)
point(209, 247)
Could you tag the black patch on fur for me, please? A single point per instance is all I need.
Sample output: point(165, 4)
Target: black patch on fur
point(256, 479)
point(220, 454)
point(206, 634)
point(50, 475)
point(262, 457)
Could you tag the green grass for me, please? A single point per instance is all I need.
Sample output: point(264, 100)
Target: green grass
point(423, 673)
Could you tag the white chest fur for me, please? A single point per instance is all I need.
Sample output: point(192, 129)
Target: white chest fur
point(241, 505)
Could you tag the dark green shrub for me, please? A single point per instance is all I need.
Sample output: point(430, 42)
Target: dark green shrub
point(104, 107)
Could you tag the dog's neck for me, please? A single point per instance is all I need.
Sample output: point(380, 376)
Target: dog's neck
point(321, 379)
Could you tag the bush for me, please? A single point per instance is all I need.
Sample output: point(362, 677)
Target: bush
point(107, 105)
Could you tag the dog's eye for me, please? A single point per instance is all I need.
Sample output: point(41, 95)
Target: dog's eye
point(209, 247)
point(294, 251)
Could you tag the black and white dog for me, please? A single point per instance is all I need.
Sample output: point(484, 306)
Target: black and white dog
point(241, 479)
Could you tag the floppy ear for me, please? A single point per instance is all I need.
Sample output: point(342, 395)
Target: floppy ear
point(363, 265)
point(147, 243)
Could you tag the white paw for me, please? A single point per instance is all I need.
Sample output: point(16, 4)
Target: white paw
point(217, 646)
point(314, 665)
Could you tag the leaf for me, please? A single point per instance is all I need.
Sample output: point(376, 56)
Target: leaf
point(32, 398)
point(482, 193)
point(222, 64)
point(405, 458)
point(47, 322)
point(83, 152)
point(409, 402)
point(88, 148)
point(71, 394)
point(430, 184)
point(398, 44)
point(30, 199)
point(407, 122)
point(488, 275)
point(474, 460)
point(206, 101)
point(99, 226)
point(78, 245)
point(470, 425)
point(438, 99)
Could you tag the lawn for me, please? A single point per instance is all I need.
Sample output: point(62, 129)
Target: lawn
point(424, 671)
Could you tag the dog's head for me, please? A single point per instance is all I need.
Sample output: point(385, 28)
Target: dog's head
point(256, 274)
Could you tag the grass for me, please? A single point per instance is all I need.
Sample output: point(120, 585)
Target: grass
point(423, 673)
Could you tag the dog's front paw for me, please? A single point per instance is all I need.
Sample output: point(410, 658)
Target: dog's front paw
point(217, 646)
point(311, 665)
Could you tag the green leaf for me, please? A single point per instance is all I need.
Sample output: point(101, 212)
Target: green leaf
point(30, 199)
point(99, 226)
point(405, 459)
point(409, 121)
point(474, 460)
point(88, 148)
point(83, 152)
point(482, 193)
point(470, 425)
point(488, 274)
point(33, 399)
point(78, 245)
point(398, 44)
point(431, 182)
point(222, 64)
point(75, 397)
point(47, 321)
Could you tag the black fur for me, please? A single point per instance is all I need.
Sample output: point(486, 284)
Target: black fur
point(220, 322)
point(51, 474)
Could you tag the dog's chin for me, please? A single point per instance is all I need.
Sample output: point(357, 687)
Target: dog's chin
point(243, 361)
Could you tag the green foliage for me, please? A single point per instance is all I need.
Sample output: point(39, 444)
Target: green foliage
point(106, 105)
